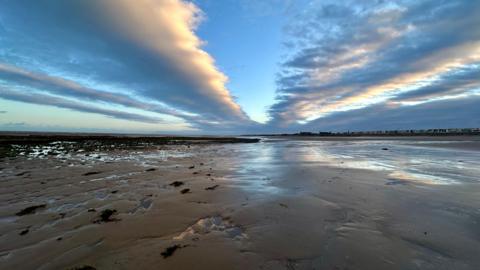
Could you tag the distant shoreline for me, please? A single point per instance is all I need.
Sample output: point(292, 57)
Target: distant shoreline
point(7, 138)
point(381, 138)
point(12, 145)
point(383, 133)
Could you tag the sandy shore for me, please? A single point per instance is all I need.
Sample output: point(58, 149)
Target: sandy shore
point(228, 206)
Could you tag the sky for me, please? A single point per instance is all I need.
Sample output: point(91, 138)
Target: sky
point(238, 66)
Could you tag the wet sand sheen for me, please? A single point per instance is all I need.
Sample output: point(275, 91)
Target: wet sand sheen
point(272, 205)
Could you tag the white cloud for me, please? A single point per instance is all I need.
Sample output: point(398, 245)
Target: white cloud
point(141, 54)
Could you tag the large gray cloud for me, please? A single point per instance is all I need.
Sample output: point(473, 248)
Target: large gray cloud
point(353, 54)
point(67, 88)
point(452, 113)
point(461, 81)
point(36, 98)
point(115, 51)
point(457, 112)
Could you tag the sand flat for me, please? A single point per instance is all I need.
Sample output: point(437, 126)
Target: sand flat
point(277, 204)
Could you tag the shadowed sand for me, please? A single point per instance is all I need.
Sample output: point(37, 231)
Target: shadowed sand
point(277, 204)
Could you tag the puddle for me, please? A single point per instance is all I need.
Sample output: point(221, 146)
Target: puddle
point(145, 204)
point(402, 160)
point(216, 224)
point(114, 176)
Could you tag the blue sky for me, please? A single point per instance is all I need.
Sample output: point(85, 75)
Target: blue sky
point(245, 38)
point(244, 66)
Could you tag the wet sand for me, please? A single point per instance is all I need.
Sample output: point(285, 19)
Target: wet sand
point(277, 204)
point(463, 142)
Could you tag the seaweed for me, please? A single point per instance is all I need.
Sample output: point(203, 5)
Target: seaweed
point(90, 173)
point(212, 187)
point(184, 191)
point(85, 267)
point(176, 183)
point(170, 250)
point(30, 210)
point(106, 216)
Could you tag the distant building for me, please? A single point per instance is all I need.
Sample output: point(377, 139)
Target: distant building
point(407, 132)
point(304, 133)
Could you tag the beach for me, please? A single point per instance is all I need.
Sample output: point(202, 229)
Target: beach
point(280, 203)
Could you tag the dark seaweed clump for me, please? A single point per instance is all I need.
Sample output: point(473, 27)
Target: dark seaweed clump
point(176, 183)
point(90, 173)
point(212, 187)
point(85, 267)
point(30, 210)
point(170, 250)
point(106, 216)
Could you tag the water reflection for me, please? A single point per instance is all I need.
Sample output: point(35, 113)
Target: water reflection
point(254, 166)
point(402, 160)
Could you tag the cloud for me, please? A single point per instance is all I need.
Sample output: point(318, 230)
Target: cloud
point(71, 89)
point(14, 124)
point(435, 114)
point(59, 102)
point(460, 81)
point(139, 54)
point(349, 55)
point(457, 112)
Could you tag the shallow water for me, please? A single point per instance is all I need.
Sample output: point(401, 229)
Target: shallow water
point(411, 161)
